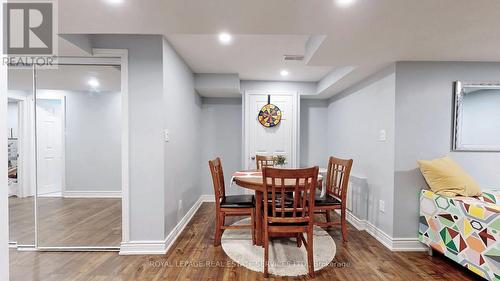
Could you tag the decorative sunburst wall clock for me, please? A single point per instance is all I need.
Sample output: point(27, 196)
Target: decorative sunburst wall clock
point(269, 114)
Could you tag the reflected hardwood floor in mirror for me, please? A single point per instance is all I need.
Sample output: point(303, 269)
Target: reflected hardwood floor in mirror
point(68, 221)
point(362, 258)
point(21, 220)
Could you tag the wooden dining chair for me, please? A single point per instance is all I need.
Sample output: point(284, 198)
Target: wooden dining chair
point(264, 161)
point(289, 219)
point(229, 205)
point(337, 180)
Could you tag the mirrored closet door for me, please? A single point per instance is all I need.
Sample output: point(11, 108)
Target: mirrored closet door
point(21, 155)
point(78, 133)
point(65, 166)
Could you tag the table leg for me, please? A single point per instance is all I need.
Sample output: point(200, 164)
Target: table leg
point(258, 217)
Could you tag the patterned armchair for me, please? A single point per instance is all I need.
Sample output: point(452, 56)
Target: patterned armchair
point(464, 229)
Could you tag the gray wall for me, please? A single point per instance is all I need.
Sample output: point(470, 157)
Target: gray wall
point(182, 117)
point(313, 137)
point(164, 181)
point(423, 131)
point(222, 136)
point(222, 130)
point(93, 141)
point(146, 123)
point(355, 118)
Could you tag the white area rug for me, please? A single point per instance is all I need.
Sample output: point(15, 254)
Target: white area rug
point(285, 258)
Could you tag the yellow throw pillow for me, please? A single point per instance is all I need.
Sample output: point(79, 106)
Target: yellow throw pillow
point(445, 177)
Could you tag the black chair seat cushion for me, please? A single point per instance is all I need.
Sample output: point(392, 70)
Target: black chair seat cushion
point(238, 201)
point(328, 200)
point(288, 224)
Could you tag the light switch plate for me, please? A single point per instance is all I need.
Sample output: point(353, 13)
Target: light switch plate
point(382, 135)
point(381, 205)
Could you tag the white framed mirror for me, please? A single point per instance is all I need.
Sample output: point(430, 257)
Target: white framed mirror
point(476, 116)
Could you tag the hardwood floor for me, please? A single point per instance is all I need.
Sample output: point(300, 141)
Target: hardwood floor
point(362, 258)
point(66, 221)
point(21, 220)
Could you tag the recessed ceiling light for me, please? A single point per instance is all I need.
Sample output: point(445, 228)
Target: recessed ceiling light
point(284, 73)
point(93, 82)
point(114, 2)
point(225, 38)
point(344, 3)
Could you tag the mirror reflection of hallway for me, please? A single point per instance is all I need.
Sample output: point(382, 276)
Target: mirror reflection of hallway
point(79, 156)
point(50, 140)
point(74, 125)
point(21, 180)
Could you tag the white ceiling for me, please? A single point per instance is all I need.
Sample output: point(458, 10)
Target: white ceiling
point(253, 57)
point(368, 35)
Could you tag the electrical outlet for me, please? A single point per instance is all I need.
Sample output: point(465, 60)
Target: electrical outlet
point(180, 211)
point(381, 206)
point(180, 208)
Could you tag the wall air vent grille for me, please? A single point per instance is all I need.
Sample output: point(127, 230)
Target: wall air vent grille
point(293, 58)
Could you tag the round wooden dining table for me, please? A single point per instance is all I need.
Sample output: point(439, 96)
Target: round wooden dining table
point(252, 180)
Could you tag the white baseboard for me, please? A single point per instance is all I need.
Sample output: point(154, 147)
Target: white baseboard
point(355, 221)
point(162, 247)
point(408, 245)
point(142, 248)
point(379, 234)
point(91, 194)
point(393, 244)
point(174, 234)
point(207, 198)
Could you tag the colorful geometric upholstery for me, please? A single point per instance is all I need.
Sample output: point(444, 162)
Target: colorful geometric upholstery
point(464, 229)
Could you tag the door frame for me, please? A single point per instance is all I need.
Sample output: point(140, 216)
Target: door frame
point(26, 161)
point(122, 55)
point(62, 99)
point(108, 57)
point(4, 193)
point(247, 118)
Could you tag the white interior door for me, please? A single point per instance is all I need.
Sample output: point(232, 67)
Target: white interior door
point(49, 121)
point(279, 140)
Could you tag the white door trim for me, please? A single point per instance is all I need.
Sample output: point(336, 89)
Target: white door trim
point(122, 54)
point(100, 57)
point(62, 99)
point(26, 151)
point(4, 191)
point(246, 120)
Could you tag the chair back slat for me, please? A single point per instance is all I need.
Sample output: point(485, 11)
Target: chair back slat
point(296, 201)
point(282, 190)
point(337, 178)
point(264, 161)
point(217, 179)
point(280, 184)
point(273, 200)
